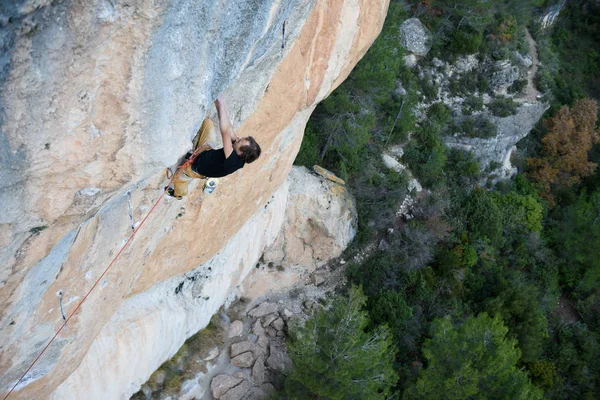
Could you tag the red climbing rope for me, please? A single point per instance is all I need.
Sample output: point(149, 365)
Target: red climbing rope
point(174, 176)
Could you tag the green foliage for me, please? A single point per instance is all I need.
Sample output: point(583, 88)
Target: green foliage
point(426, 155)
point(389, 307)
point(484, 218)
point(503, 106)
point(429, 89)
point(477, 126)
point(543, 373)
point(335, 358)
point(465, 41)
point(575, 350)
point(576, 235)
point(520, 309)
point(518, 86)
point(520, 214)
point(471, 360)
point(471, 104)
point(439, 112)
point(38, 229)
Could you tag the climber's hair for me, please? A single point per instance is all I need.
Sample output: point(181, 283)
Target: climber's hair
point(251, 151)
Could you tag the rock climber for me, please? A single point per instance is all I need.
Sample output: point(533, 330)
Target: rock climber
point(216, 163)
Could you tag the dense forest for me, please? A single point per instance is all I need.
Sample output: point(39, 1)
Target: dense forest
point(492, 288)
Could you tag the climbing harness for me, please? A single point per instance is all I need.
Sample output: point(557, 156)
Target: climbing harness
point(66, 320)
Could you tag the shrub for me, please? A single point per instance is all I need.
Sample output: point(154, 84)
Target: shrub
point(518, 86)
point(478, 126)
point(429, 90)
point(439, 112)
point(503, 107)
point(465, 41)
point(471, 104)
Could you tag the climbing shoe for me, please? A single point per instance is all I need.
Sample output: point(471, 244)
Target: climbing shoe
point(171, 192)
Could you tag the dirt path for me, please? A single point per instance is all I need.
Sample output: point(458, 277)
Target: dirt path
point(531, 93)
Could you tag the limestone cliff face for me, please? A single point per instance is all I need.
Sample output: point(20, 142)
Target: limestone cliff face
point(97, 98)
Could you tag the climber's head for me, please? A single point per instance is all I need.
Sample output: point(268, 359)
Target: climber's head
point(247, 149)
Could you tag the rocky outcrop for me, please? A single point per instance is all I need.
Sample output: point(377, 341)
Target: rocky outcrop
point(321, 220)
point(415, 37)
point(502, 75)
point(493, 150)
point(96, 101)
point(494, 153)
point(551, 14)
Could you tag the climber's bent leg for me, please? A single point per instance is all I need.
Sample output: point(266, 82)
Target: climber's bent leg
point(180, 187)
point(180, 184)
point(203, 133)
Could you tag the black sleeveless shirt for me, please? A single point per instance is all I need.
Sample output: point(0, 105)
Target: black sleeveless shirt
point(213, 164)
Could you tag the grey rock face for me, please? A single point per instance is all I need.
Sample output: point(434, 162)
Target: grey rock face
point(551, 14)
point(415, 37)
point(524, 61)
point(466, 63)
point(499, 149)
point(503, 75)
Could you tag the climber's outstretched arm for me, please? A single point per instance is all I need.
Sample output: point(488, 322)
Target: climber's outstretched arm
point(227, 133)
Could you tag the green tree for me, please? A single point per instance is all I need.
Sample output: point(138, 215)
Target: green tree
point(484, 218)
point(520, 214)
point(520, 309)
point(335, 358)
point(472, 360)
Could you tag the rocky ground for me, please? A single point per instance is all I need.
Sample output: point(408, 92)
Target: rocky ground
point(242, 354)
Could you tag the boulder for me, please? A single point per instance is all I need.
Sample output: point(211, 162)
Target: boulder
point(287, 313)
point(320, 220)
point(220, 384)
point(278, 324)
point(235, 329)
point(212, 354)
point(263, 309)
point(319, 278)
point(244, 360)
point(259, 370)
point(271, 331)
point(263, 341)
point(268, 319)
point(415, 37)
point(242, 347)
point(278, 360)
point(238, 392)
point(523, 61)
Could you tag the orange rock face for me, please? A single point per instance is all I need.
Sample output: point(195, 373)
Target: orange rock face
point(190, 254)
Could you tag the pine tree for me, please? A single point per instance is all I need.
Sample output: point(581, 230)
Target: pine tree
point(334, 358)
point(474, 360)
